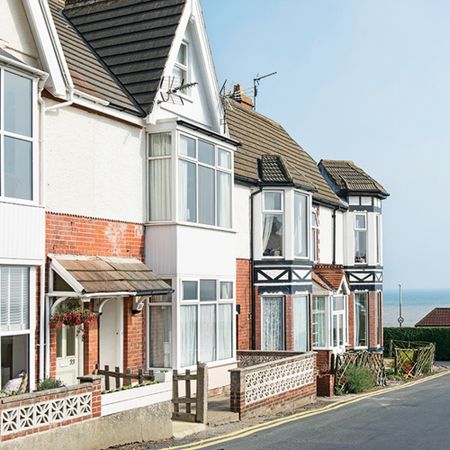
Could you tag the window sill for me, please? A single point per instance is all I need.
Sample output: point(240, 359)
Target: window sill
point(19, 202)
point(192, 225)
point(213, 364)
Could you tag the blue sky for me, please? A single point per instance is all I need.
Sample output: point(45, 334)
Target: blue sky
point(362, 80)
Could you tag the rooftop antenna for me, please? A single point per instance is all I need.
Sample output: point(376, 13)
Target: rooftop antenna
point(256, 82)
point(400, 306)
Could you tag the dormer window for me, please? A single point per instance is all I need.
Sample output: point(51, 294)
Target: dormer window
point(180, 70)
point(360, 238)
point(273, 223)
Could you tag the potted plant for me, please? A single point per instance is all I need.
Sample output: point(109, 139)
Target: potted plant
point(71, 314)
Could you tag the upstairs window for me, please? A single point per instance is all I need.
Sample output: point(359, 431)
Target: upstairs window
point(300, 225)
point(315, 235)
point(16, 136)
point(205, 183)
point(360, 238)
point(273, 223)
point(159, 175)
point(180, 70)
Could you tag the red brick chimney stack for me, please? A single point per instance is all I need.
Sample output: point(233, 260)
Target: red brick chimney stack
point(239, 96)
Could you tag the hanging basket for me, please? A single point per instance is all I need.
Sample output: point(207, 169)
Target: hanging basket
point(71, 314)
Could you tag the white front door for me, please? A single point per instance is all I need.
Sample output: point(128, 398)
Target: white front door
point(67, 355)
point(111, 334)
point(339, 331)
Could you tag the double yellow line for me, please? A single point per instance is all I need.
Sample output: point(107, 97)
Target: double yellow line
point(239, 434)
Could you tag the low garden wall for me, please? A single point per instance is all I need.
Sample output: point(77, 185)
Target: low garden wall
point(26, 414)
point(436, 335)
point(274, 381)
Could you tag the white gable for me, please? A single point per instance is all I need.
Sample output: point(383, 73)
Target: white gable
point(201, 104)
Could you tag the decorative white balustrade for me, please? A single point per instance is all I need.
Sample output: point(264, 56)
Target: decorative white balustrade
point(45, 413)
point(278, 377)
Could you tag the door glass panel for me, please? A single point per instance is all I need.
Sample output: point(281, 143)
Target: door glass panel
point(70, 341)
point(273, 326)
point(59, 338)
point(335, 330)
point(300, 324)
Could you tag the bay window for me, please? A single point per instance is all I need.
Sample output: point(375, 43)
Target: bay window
point(360, 238)
point(206, 310)
point(273, 223)
point(205, 183)
point(16, 135)
point(14, 321)
point(300, 225)
point(361, 319)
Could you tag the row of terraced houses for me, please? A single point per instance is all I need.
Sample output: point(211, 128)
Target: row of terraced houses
point(192, 226)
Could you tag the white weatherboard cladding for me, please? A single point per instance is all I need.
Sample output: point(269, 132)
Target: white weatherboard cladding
point(95, 166)
point(22, 231)
point(161, 249)
point(15, 32)
point(241, 216)
point(326, 235)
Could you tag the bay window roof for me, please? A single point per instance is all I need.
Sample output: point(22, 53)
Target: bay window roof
point(347, 178)
point(97, 276)
point(330, 277)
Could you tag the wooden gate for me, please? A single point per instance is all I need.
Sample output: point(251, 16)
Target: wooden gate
point(194, 407)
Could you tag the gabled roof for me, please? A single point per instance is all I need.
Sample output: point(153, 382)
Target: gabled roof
point(438, 317)
point(329, 276)
point(347, 178)
point(261, 139)
point(100, 276)
point(88, 73)
point(132, 37)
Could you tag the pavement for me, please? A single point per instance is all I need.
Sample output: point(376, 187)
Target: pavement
point(414, 415)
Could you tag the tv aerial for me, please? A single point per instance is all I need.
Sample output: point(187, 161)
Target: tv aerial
point(169, 91)
point(256, 82)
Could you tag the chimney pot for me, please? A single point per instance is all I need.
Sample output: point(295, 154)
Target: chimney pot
point(240, 97)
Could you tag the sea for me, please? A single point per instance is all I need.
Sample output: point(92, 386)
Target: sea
point(416, 304)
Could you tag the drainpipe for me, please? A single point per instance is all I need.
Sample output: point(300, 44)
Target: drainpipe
point(252, 288)
point(44, 314)
point(334, 235)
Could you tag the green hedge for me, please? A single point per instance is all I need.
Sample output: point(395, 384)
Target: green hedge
point(440, 336)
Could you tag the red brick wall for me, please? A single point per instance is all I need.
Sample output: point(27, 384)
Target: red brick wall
point(133, 336)
point(243, 298)
point(323, 359)
point(77, 235)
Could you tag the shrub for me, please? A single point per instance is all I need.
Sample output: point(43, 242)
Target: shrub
point(49, 383)
point(359, 379)
point(439, 336)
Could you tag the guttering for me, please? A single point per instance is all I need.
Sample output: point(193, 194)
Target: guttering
point(252, 288)
point(25, 67)
point(210, 133)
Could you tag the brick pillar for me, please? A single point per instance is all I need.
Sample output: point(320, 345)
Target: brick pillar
point(90, 347)
point(52, 351)
point(133, 337)
point(258, 320)
point(243, 299)
point(289, 323)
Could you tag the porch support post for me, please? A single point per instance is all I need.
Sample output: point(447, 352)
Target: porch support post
point(133, 336)
point(90, 345)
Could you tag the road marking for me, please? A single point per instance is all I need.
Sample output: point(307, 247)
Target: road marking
point(239, 434)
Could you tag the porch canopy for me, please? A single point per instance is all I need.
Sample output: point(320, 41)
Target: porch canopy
point(98, 276)
point(329, 278)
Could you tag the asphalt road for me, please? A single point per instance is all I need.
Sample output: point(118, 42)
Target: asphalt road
point(417, 417)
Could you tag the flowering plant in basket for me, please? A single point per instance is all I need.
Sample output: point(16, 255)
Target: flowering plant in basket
point(73, 315)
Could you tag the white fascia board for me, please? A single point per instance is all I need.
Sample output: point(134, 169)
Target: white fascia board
point(50, 51)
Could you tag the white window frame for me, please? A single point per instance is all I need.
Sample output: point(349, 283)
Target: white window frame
point(185, 67)
point(357, 229)
point(198, 303)
point(315, 234)
point(357, 346)
point(33, 139)
point(378, 239)
point(280, 212)
point(283, 304)
point(216, 168)
point(307, 225)
point(30, 332)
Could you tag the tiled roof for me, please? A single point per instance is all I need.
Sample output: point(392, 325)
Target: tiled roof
point(438, 317)
point(330, 275)
point(262, 137)
point(107, 275)
point(133, 38)
point(88, 73)
point(347, 177)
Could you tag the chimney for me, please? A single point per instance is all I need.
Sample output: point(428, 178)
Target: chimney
point(239, 96)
